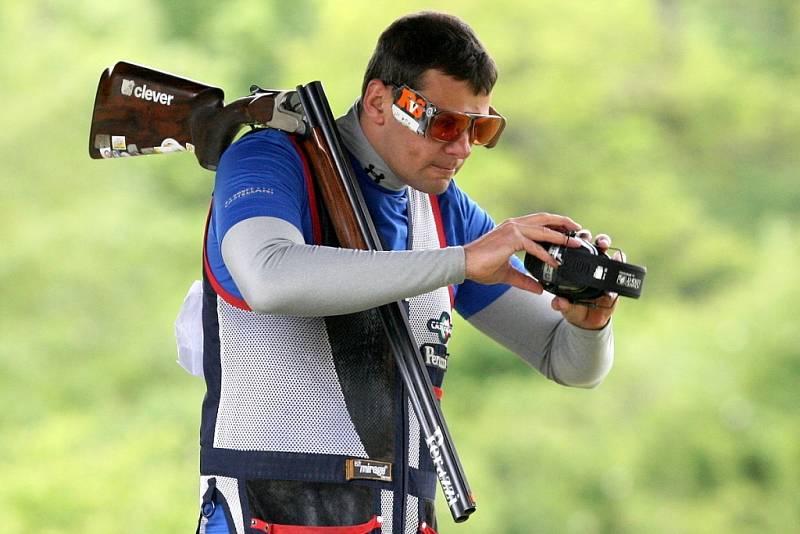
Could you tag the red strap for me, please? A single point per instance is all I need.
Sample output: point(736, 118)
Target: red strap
point(218, 289)
point(273, 528)
point(425, 529)
point(439, 392)
point(316, 227)
point(437, 218)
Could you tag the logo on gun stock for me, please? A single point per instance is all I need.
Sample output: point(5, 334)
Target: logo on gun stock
point(129, 88)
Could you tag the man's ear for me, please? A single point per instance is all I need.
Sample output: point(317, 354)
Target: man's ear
point(377, 102)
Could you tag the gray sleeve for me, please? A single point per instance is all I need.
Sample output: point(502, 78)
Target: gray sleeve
point(277, 273)
point(526, 324)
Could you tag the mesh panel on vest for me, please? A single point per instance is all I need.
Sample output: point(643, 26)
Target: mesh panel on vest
point(365, 368)
point(429, 313)
point(412, 515)
point(387, 511)
point(413, 438)
point(292, 502)
point(424, 236)
point(424, 308)
point(279, 371)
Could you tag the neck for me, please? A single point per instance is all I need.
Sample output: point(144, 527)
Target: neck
point(357, 142)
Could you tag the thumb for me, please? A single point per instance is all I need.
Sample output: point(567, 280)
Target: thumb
point(523, 281)
point(560, 304)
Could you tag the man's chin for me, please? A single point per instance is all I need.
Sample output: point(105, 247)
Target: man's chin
point(439, 179)
point(432, 180)
point(436, 185)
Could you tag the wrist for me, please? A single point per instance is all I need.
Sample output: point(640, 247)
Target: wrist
point(590, 328)
point(458, 256)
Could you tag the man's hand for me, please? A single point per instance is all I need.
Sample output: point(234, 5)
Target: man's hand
point(487, 258)
point(597, 317)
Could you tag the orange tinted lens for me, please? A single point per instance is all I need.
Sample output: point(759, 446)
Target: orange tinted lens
point(485, 128)
point(447, 126)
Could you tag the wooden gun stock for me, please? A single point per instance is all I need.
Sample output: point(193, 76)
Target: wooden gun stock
point(140, 111)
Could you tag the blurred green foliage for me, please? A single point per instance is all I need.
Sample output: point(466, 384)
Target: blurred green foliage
point(671, 125)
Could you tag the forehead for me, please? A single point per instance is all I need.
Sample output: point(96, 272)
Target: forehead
point(451, 94)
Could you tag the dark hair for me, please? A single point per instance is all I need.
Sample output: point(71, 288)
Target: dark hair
point(428, 40)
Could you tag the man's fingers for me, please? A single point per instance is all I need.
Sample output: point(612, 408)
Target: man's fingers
point(535, 249)
point(603, 242)
point(549, 219)
point(542, 233)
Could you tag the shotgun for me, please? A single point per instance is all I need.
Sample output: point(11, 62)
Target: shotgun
point(140, 111)
point(355, 229)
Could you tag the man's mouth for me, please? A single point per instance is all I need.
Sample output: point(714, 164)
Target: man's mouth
point(447, 168)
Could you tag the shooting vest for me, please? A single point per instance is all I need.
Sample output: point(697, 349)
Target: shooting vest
point(305, 419)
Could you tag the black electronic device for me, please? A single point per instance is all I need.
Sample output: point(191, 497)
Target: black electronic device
point(585, 273)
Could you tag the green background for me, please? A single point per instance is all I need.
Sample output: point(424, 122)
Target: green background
point(672, 125)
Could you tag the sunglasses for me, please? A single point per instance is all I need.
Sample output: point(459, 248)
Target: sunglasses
point(419, 114)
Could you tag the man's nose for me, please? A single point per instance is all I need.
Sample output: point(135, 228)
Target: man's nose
point(461, 147)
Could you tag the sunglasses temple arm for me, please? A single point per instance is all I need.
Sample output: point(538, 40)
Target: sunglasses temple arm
point(496, 138)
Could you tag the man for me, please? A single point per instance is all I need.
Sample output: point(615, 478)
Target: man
point(305, 422)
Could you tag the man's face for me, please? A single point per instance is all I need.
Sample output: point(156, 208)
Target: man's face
point(426, 164)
